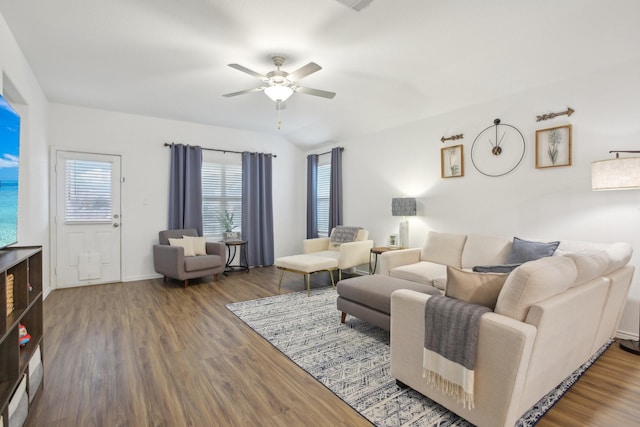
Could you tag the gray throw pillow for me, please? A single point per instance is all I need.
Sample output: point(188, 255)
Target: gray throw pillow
point(524, 251)
point(505, 268)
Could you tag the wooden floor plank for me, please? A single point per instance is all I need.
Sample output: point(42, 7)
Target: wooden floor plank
point(151, 353)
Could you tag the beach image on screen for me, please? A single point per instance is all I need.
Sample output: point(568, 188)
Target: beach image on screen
point(9, 154)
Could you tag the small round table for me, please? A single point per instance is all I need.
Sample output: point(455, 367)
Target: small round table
point(375, 252)
point(231, 255)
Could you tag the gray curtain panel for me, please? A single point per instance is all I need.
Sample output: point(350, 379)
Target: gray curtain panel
point(257, 208)
point(312, 196)
point(335, 190)
point(185, 187)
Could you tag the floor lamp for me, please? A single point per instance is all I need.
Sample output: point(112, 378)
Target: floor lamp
point(618, 174)
point(404, 207)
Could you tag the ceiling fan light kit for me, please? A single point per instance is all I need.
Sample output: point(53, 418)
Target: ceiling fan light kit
point(280, 85)
point(278, 92)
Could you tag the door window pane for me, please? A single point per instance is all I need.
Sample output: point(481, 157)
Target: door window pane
point(87, 191)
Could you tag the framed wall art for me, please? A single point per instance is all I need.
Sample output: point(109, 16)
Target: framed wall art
point(553, 147)
point(452, 161)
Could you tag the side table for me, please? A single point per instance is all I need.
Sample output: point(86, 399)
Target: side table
point(375, 252)
point(232, 249)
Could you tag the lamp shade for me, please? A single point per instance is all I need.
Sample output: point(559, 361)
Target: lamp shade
point(403, 206)
point(278, 92)
point(616, 174)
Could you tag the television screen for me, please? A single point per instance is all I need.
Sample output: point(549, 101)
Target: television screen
point(9, 154)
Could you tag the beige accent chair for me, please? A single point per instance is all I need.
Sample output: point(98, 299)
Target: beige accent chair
point(347, 255)
point(320, 254)
point(170, 261)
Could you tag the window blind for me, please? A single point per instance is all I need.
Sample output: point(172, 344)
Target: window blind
point(88, 196)
point(323, 191)
point(221, 191)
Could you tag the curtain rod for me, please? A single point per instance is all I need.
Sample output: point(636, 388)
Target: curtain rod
point(166, 144)
point(329, 152)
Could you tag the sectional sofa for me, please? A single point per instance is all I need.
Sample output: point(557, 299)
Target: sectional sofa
point(550, 316)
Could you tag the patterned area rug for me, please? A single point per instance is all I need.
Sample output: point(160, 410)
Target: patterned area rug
point(353, 359)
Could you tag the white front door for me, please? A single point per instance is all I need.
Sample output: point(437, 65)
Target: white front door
point(87, 219)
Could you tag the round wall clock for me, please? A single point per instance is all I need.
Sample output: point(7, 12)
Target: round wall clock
point(498, 149)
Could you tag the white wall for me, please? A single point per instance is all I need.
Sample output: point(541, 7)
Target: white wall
point(145, 165)
point(552, 204)
point(18, 82)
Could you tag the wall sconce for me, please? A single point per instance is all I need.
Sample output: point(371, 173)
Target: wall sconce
point(404, 207)
point(618, 174)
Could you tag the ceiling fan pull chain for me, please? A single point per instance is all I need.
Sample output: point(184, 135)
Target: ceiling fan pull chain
point(279, 121)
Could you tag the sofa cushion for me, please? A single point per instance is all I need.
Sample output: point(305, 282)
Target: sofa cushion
point(327, 254)
point(429, 273)
point(443, 248)
point(184, 243)
point(590, 264)
point(524, 250)
point(485, 250)
point(533, 282)
point(474, 288)
point(203, 262)
point(619, 255)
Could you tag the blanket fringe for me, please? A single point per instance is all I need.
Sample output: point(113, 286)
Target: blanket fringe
point(449, 388)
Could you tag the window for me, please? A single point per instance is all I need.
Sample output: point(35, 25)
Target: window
point(87, 188)
point(323, 190)
point(221, 191)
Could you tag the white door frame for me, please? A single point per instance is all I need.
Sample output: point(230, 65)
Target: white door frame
point(53, 194)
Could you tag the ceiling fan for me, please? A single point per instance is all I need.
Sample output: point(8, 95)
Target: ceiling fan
point(280, 85)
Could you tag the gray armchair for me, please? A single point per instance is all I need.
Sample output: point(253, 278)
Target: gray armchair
point(170, 261)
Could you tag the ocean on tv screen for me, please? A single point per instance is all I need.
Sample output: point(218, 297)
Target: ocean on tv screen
point(8, 212)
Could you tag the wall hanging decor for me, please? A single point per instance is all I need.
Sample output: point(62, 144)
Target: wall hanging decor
point(451, 138)
point(569, 112)
point(452, 161)
point(553, 147)
point(498, 149)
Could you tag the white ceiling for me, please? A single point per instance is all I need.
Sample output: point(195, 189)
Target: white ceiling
point(394, 62)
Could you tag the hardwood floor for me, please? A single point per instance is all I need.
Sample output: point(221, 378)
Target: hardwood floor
point(150, 353)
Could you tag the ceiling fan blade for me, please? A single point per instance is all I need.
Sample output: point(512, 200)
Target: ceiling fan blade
point(242, 92)
point(315, 92)
point(248, 71)
point(305, 70)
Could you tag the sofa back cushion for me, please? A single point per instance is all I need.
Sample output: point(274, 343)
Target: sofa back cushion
point(443, 248)
point(474, 288)
point(618, 253)
point(589, 264)
point(485, 250)
point(533, 282)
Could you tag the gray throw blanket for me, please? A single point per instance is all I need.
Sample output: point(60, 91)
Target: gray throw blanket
point(344, 234)
point(450, 342)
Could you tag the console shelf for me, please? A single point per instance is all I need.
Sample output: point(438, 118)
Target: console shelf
point(20, 304)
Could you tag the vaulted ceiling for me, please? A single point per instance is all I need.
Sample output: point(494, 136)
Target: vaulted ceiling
point(395, 61)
